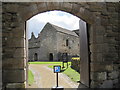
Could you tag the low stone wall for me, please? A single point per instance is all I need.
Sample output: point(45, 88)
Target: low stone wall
point(75, 64)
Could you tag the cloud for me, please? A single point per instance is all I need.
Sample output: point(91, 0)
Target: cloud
point(59, 18)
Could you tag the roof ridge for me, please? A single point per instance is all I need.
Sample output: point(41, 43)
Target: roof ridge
point(64, 30)
point(61, 29)
point(58, 26)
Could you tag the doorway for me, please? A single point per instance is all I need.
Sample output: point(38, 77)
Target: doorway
point(35, 57)
point(51, 57)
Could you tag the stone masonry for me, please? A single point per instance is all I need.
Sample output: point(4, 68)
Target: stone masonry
point(104, 40)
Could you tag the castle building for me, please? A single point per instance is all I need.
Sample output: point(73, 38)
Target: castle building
point(52, 42)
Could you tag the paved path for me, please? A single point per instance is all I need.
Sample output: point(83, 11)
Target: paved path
point(45, 78)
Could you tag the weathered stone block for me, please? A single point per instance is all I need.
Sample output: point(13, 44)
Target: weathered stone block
point(100, 30)
point(111, 9)
point(108, 48)
point(116, 66)
point(41, 6)
point(66, 6)
point(109, 39)
point(96, 48)
point(53, 5)
point(13, 76)
point(107, 84)
point(109, 67)
point(114, 15)
point(19, 52)
point(16, 34)
point(96, 7)
point(12, 63)
point(113, 75)
point(103, 66)
point(75, 8)
point(96, 34)
point(110, 55)
point(86, 14)
point(24, 13)
point(105, 21)
point(115, 81)
point(98, 76)
point(96, 57)
point(99, 39)
point(12, 7)
point(97, 67)
point(14, 42)
point(94, 84)
point(16, 85)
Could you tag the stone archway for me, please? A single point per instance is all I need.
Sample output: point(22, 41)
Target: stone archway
point(103, 36)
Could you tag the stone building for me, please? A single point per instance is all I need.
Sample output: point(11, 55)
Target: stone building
point(52, 42)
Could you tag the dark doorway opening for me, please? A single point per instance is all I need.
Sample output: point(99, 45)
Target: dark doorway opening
point(51, 57)
point(35, 57)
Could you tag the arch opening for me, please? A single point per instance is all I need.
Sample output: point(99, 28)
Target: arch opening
point(67, 44)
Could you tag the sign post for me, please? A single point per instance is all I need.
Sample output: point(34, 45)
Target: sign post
point(57, 70)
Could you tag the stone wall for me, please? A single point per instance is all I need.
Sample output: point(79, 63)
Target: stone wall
point(105, 48)
point(104, 40)
point(13, 48)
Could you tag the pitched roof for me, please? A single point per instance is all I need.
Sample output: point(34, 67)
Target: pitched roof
point(63, 30)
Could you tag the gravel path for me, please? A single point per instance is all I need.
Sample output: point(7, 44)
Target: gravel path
point(45, 78)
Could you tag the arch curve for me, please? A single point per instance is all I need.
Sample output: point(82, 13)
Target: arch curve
point(78, 10)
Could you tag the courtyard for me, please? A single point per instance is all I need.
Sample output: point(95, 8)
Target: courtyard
point(44, 77)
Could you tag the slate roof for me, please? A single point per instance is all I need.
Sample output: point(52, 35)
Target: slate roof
point(63, 30)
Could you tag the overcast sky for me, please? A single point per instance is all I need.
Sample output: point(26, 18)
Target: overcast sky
point(59, 18)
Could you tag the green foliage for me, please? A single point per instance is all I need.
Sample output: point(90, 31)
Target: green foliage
point(30, 77)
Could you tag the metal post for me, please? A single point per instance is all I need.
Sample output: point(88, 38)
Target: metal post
point(63, 65)
point(67, 64)
point(57, 78)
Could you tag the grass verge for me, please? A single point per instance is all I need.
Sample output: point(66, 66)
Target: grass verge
point(30, 77)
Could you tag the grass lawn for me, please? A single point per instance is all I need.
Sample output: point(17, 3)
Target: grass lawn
point(30, 77)
point(45, 62)
point(71, 73)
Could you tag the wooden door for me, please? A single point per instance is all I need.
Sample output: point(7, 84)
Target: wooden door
point(84, 56)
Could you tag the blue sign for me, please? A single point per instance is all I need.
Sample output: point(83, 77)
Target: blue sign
point(57, 69)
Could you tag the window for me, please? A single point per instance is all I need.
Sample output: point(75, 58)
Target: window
point(67, 42)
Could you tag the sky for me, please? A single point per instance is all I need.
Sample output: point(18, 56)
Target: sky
point(59, 18)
